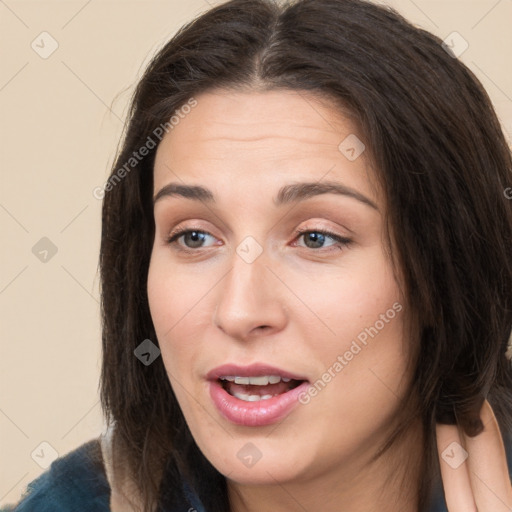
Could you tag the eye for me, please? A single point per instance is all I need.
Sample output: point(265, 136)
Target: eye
point(313, 239)
point(192, 238)
point(316, 239)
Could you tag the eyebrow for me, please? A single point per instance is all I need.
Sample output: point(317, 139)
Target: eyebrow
point(291, 193)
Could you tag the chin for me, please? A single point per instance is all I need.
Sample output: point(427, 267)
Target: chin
point(258, 461)
point(262, 473)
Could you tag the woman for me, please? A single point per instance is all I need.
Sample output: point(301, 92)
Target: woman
point(306, 276)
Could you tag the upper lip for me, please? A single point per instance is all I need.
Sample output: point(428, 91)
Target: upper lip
point(252, 370)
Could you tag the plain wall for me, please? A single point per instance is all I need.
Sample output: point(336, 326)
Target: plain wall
point(60, 127)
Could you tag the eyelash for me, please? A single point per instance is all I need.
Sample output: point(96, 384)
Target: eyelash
point(342, 241)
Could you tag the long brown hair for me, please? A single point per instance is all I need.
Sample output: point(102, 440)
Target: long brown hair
point(442, 161)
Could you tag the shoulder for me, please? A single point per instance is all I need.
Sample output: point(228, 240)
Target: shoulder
point(74, 482)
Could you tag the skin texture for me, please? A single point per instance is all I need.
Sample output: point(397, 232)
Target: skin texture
point(296, 306)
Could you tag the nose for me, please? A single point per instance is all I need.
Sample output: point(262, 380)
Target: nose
point(249, 301)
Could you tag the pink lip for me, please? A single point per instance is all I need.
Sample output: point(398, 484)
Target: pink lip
point(253, 414)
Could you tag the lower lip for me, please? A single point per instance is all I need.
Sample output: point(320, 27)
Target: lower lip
point(255, 414)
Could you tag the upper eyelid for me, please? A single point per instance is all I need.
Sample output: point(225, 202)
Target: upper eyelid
point(349, 231)
point(180, 231)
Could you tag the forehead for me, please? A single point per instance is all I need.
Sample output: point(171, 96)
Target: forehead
point(248, 137)
point(250, 116)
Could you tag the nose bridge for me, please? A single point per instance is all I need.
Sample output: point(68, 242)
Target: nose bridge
point(247, 301)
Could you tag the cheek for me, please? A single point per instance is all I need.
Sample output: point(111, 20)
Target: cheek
point(180, 310)
point(174, 295)
point(169, 297)
point(355, 303)
point(357, 333)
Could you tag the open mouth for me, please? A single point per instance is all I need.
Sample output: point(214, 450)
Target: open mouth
point(254, 389)
point(255, 395)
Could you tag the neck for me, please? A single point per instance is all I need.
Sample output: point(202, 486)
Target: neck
point(389, 484)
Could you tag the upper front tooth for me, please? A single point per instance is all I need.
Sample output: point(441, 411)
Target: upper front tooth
point(259, 381)
point(262, 380)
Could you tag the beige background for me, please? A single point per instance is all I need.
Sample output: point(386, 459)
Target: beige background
point(61, 119)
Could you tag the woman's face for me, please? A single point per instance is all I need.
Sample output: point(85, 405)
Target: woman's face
point(311, 324)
